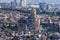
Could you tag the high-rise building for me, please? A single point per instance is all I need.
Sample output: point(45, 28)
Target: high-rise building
point(23, 3)
point(15, 2)
point(13, 5)
point(20, 2)
point(44, 6)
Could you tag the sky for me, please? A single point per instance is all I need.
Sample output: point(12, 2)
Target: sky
point(36, 1)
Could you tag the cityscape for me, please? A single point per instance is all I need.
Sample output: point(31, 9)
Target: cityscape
point(22, 21)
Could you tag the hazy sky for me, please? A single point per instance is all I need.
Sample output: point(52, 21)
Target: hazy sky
point(36, 1)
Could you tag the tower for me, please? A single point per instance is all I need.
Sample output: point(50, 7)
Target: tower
point(36, 20)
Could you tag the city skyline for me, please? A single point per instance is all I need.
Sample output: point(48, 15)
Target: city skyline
point(35, 1)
